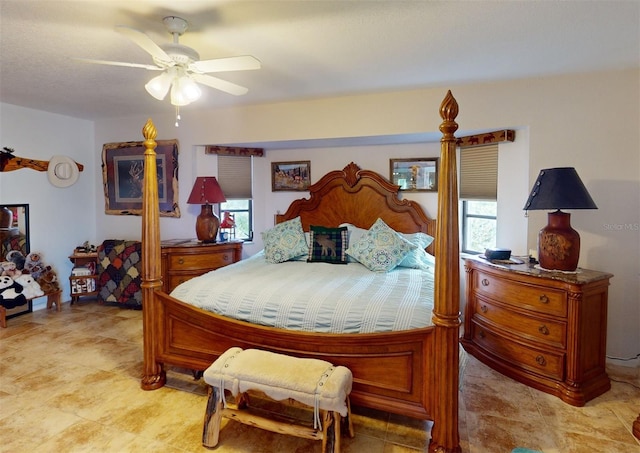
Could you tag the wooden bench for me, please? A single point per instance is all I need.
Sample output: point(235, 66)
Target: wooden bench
point(53, 298)
point(308, 383)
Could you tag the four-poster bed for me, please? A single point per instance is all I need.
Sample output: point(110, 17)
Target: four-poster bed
point(410, 372)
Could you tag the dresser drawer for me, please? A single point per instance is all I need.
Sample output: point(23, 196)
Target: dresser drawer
point(207, 261)
point(529, 297)
point(553, 333)
point(546, 363)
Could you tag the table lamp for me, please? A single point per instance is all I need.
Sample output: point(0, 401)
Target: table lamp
point(206, 191)
point(558, 243)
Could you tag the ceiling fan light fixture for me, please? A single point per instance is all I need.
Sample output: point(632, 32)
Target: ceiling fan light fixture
point(184, 91)
point(158, 87)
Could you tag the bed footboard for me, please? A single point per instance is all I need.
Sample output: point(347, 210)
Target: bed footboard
point(391, 371)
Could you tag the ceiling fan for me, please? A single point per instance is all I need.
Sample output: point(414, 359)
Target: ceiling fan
point(181, 66)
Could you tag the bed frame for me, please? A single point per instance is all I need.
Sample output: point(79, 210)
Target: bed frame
point(413, 373)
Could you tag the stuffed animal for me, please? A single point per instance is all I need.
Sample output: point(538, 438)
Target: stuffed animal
point(11, 293)
point(9, 268)
point(16, 256)
point(49, 281)
point(34, 265)
point(31, 288)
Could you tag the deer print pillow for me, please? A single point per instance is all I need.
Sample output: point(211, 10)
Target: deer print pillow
point(328, 245)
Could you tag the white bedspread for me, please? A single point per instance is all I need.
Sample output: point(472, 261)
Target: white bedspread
point(314, 297)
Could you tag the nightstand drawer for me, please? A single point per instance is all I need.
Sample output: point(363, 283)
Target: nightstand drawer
point(529, 297)
point(550, 332)
point(546, 363)
point(201, 261)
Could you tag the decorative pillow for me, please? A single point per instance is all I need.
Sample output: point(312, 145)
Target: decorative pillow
point(416, 258)
point(355, 234)
point(284, 241)
point(328, 245)
point(381, 248)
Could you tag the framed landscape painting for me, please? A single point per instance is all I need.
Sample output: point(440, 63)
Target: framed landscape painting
point(290, 176)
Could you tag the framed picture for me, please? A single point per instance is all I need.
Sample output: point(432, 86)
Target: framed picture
point(415, 175)
point(123, 172)
point(290, 176)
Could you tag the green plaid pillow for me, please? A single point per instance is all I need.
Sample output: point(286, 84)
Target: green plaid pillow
point(328, 245)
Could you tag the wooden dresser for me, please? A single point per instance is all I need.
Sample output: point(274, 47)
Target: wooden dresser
point(545, 329)
point(183, 260)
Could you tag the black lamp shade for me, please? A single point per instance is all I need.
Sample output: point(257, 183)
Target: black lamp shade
point(559, 188)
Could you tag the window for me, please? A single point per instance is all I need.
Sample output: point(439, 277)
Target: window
point(234, 176)
point(478, 192)
point(479, 221)
point(242, 215)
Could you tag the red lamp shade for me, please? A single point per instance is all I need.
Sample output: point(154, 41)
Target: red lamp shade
point(206, 190)
point(558, 243)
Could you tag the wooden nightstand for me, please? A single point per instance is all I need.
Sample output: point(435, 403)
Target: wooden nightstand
point(83, 279)
point(184, 259)
point(545, 329)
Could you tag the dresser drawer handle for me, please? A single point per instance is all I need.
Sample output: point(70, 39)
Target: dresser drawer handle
point(484, 309)
point(181, 261)
point(540, 360)
point(544, 299)
point(481, 334)
point(543, 330)
point(226, 257)
point(485, 282)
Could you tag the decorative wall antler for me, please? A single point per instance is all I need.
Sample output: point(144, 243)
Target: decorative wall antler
point(10, 162)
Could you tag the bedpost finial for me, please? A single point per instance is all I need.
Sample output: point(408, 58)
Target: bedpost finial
point(149, 131)
point(448, 113)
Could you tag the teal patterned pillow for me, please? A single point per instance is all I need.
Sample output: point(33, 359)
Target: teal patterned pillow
point(381, 248)
point(285, 241)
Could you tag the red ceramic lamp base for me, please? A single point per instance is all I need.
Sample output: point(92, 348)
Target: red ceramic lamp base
point(207, 224)
point(558, 243)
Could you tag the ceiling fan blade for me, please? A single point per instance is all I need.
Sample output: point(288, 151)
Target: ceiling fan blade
point(150, 67)
point(219, 84)
point(241, 63)
point(145, 42)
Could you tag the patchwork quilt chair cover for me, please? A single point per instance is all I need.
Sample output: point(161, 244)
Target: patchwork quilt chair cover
point(119, 271)
point(17, 242)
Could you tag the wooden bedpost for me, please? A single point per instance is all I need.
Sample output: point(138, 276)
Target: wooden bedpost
point(446, 312)
point(153, 374)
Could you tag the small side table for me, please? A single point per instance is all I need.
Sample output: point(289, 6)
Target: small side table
point(81, 282)
point(184, 259)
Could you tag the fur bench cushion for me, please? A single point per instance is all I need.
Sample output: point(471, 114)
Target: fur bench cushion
point(313, 382)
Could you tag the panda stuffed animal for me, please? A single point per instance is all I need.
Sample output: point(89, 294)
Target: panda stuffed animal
point(11, 293)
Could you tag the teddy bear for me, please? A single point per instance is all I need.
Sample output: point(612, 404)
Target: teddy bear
point(31, 288)
point(34, 265)
point(16, 256)
point(9, 268)
point(49, 281)
point(11, 293)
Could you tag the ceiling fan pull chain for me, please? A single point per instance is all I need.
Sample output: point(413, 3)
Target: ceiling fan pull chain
point(177, 115)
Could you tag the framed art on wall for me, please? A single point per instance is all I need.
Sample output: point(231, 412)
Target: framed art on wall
point(123, 172)
point(417, 175)
point(290, 176)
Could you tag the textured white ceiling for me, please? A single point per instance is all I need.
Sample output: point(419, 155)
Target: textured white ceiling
point(307, 48)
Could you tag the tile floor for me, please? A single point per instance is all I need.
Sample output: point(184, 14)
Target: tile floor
point(69, 382)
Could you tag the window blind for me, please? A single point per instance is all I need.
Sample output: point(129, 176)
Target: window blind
point(234, 176)
point(479, 172)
